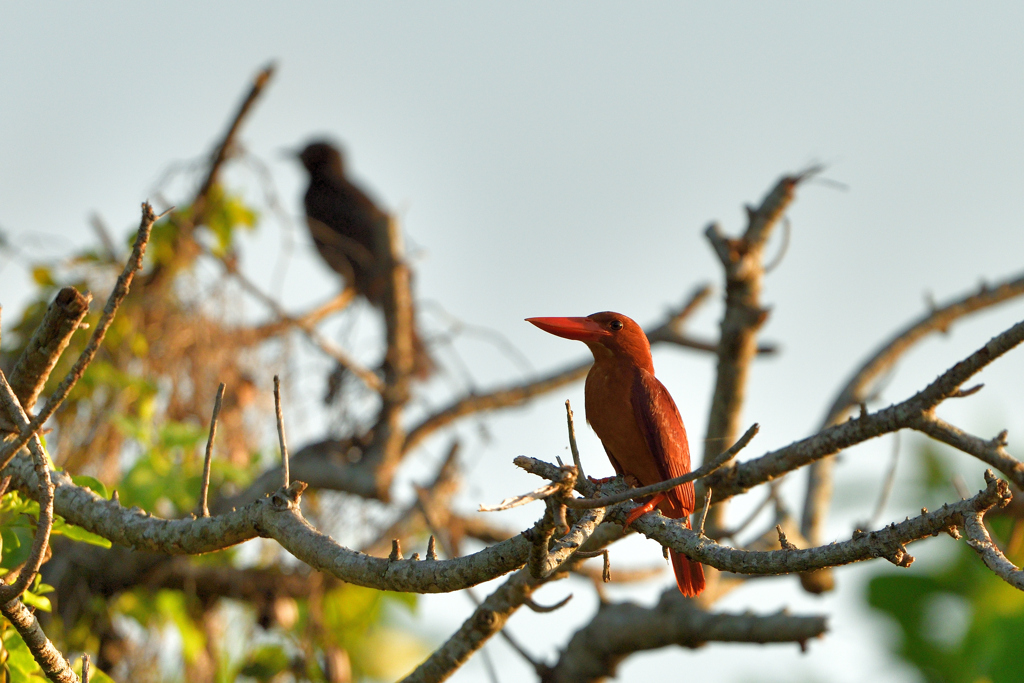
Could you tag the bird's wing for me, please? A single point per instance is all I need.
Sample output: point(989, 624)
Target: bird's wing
point(662, 427)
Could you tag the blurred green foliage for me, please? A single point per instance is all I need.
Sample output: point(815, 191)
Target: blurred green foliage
point(119, 413)
point(351, 619)
point(959, 622)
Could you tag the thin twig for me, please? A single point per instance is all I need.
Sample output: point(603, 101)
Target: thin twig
point(117, 296)
point(618, 630)
point(981, 542)
point(606, 572)
point(203, 509)
point(285, 478)
point(308, 327)
point(517, 394)
point(703, 471)
point(915, 413)
point(542, 609)
point(539, 493)
point(432, 548)
point(85, 668)
point(62, 319)
point(221, 152)
point(49, 658)
point(861, 383)
point(572, 443)
point(45, 488)
point(704, 511)
point(783, 248)
point(784, 542)
point(742, 262)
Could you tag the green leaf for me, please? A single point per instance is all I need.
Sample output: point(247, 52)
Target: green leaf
point(96, 675)
point(17, 543)
point(92, 482)
point(265, 662)
point(37, 601)
point(171, 606)
point(20, 661)
point(958, 622)
point(77, 533)
point(43, 276)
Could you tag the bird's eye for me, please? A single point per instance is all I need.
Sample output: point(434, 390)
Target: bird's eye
point(615, 325)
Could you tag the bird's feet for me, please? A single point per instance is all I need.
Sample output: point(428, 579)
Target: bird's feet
point(643, 509)
point(602, 480)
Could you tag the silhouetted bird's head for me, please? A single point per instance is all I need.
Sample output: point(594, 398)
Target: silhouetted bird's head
point(322, 158)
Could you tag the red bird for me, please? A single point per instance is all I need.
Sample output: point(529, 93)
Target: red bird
point(636, 419)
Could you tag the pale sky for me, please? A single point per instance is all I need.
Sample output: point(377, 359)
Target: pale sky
point(564, 159)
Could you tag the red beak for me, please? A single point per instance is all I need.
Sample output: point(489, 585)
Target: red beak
point(580, 329)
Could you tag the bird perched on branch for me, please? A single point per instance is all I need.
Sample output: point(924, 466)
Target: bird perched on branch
point(350, 232)
point(636, 419)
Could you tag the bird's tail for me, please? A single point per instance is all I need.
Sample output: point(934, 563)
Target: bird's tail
point(689, 574)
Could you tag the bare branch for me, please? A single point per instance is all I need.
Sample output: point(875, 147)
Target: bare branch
point(285, 320)
point(665, 331)
point(981, 543)
point(109, 311)
point(501, 398)
point(491, 615)
point(307, 324)
point(489, 618)
point(703, 471)
point(992, 452)
point(860, 385)
point(389, 435)
point(48, 342)
point(280, 432)
point(277, 517)
point(203, 509)
point(742, 260)
point(619, 630)
point(220, 154)
point(573, 447)
point(44, 493)
point(911, 413)
point(887, 543)
point(49, 658)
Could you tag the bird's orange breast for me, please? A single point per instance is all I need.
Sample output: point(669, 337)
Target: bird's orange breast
point(610, 413)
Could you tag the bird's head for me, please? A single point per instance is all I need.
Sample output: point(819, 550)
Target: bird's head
point(609, 335)
point(321, 157)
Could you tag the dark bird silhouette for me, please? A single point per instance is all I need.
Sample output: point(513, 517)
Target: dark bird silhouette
point(346, 225)
point(636, 420)
point(350, 232)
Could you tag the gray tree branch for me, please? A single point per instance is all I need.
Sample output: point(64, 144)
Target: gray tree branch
point(666, 331)
point(622, 629)
point(52, 662)
point(981, 543)
point(912, 413)
point(62, 318)
point(117, 296)
point(742, 260)
point(858, 389)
